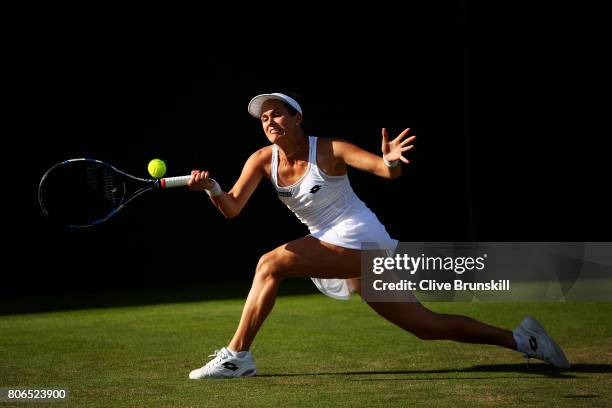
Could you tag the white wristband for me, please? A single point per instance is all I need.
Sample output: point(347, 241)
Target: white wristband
point(391, 164)
point(215, 190)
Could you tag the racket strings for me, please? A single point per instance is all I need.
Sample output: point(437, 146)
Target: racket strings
point(111, 189)
point(80, 193)
point(103, 183)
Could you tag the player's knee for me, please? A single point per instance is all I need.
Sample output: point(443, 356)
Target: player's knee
point(269, 267)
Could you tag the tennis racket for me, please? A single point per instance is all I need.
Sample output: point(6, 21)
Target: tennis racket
point(81, 193)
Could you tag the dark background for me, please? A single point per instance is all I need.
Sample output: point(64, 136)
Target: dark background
point(504, 149)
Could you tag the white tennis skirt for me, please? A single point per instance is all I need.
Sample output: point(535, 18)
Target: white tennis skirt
point(361, 228)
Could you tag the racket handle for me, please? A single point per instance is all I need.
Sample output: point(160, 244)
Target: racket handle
point(174, 181)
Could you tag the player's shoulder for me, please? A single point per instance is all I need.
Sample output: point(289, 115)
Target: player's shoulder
point(332, 141)
point(263, 154)
point(333, 145)
point(338, 141)
point(260, 158)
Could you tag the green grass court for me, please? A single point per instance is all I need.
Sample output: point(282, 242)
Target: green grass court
point(312, 351)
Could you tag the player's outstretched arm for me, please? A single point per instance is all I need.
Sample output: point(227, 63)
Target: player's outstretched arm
point(387, 166)
point(231, 203)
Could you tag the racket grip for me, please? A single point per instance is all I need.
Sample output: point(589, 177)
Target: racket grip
point(179, 181)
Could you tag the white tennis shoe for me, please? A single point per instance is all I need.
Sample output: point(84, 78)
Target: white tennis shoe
point(540, 345)
point(226, 364)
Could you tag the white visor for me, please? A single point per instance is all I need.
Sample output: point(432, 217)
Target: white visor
point(258, 101)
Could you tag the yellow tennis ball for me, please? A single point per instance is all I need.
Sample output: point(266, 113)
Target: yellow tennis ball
point(157, 168)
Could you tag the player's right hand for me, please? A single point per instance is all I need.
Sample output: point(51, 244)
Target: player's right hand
point(200, 181)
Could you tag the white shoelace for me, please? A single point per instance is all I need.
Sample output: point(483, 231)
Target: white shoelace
point(218, 355)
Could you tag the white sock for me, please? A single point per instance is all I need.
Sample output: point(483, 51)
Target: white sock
point(521, 342)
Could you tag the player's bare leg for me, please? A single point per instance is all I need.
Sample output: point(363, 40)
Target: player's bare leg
point(531, 337)
point(428, 325)
point(304, 257)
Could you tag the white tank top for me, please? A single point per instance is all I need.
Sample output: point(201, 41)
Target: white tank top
point(318, 200)
point(332, 212)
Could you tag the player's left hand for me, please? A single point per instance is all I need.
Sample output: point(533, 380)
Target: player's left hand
point(392, 150)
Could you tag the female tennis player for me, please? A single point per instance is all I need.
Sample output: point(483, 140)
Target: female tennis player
point(310, 177)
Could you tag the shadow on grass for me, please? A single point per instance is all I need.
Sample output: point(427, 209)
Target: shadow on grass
point(539, 369)
point(108, 298)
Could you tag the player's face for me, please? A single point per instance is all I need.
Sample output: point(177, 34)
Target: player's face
point(277, 120)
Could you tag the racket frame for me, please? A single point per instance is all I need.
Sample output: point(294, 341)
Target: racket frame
point(151, 184)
